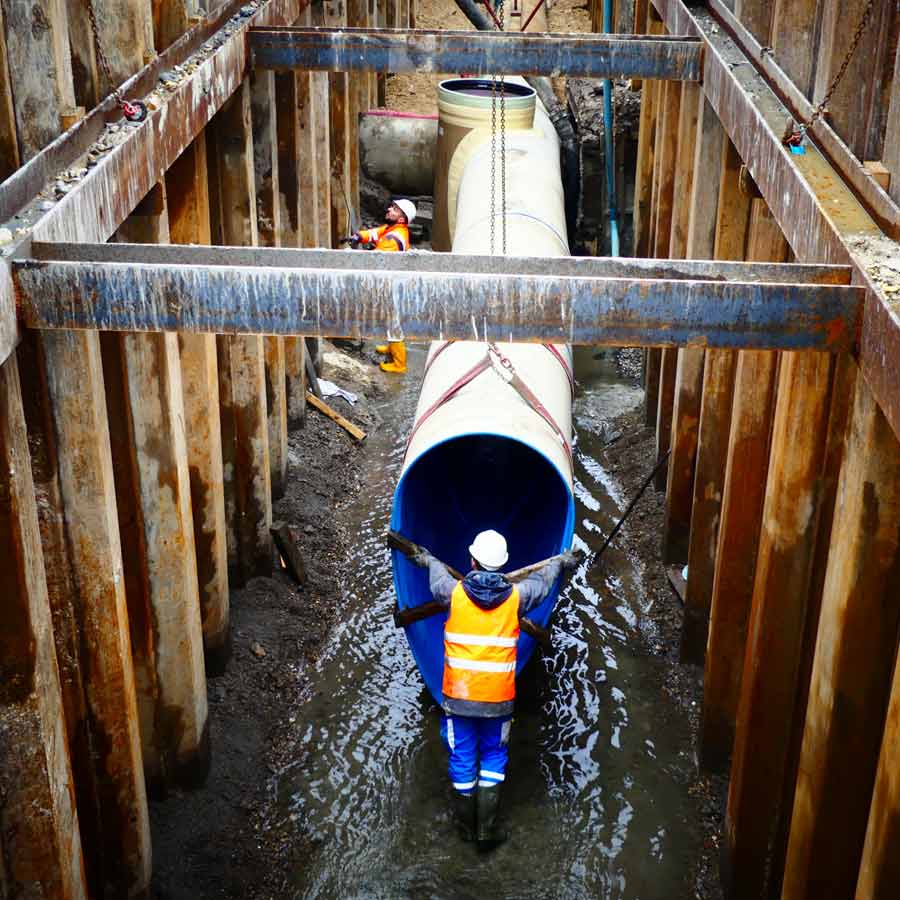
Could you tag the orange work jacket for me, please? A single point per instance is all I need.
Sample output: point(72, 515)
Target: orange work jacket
point(480, 649)
point(383, 237)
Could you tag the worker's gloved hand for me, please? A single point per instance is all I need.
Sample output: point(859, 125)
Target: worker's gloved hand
point(569, 560)
point(420, 559)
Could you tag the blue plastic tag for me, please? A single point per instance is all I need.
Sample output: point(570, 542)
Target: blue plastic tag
point(798, 149)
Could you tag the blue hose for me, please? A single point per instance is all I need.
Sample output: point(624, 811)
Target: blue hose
point(609, 149)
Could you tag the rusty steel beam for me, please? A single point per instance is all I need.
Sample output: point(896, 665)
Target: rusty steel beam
point(480, 52)
point(818, 212)
point(452, 263)
point(228, 299)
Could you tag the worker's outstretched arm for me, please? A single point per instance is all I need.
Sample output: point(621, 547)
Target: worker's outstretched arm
point(440, 581)
point(534, 588)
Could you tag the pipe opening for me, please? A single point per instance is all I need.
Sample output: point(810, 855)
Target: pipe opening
point(478, 92)
point(458, 488)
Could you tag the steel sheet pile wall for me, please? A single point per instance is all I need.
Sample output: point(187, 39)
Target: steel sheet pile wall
point(138, 470)
point(783, 487)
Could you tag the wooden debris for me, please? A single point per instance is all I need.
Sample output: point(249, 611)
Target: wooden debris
point(356, 433)
point(287, 540)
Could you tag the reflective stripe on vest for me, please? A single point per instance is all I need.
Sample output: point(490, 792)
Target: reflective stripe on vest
point(384, 235)
point(480, 649)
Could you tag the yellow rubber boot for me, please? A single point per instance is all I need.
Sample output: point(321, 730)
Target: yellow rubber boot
point(398, 357)
point(383, 348)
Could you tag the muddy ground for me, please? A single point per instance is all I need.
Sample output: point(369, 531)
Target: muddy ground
point(226, 840)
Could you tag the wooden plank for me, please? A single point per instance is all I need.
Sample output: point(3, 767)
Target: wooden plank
point(322, 137)
point(791, 18)
point(686, 160)
point(732, 224)
point(756, 16)
point(170, 22)
point(666, 151)
point(335, 15)
point(245, 439)
point(39, 69)
point(353, 430)
point(879, 869)
point(796, 522)
point(357, 17)
point(858, 633)
point(689, 370)
point(146, 407)
point(336, 49)
point(267, 158)
point(126, 34)
point(306, 161)
point(741, 514)
point(891, 148)
point(643, 186)
point(9, 144)
point(85, 74)
point(664, 409)
point(850, 104)
point(39, 833)
point(688, 106)
point(188, 199)
point(288, 132)
point(96, 671)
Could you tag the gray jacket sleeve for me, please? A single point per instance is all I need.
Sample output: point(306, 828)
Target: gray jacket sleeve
point(440, 581)
point(534, 588)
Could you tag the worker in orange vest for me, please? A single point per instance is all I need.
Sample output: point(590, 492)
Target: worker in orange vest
point(393, 236)
point(479, 685)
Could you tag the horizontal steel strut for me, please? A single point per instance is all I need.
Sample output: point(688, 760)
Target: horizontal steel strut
point(301, 292)
point(476, 52)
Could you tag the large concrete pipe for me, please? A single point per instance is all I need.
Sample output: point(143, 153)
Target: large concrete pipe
point(397, 149)
point(491, 441)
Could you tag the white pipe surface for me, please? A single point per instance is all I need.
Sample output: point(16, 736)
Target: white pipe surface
point(535, 226)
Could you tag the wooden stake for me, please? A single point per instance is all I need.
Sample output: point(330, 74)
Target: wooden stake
point(267, 159)
point(335, 16)
point(96, 672)
point(858, 633)
point(145, 399)
point(701, 237)
point(188, 200)
point(715, 419)
point(241, 359)
point(39, 833)
point(741, 514)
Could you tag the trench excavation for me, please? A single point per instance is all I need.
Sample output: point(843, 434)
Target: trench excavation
point(222, 670)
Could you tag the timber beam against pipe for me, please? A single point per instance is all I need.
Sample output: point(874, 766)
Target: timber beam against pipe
point(478, 52)
point(197, 295)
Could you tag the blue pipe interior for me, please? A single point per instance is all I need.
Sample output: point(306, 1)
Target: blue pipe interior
point(454, 490)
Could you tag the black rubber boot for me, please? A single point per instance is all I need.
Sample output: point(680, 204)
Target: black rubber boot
point(464, 810)
point(488, 802)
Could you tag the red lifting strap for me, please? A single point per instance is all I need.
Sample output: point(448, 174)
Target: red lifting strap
point(564, 364)
point(512, 378)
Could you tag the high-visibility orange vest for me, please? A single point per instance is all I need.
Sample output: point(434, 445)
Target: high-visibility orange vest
point(383, 236)
point(480, 649)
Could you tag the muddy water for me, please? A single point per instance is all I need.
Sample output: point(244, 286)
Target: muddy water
point(596, 794)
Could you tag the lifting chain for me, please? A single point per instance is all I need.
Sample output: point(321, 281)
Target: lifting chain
point(133, 110)
point(498, 87)
point(795, 140)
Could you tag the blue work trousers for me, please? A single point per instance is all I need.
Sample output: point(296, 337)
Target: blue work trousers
point(478, 750)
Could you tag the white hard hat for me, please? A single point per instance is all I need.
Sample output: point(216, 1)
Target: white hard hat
point(489, 550)
point(408, 207)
